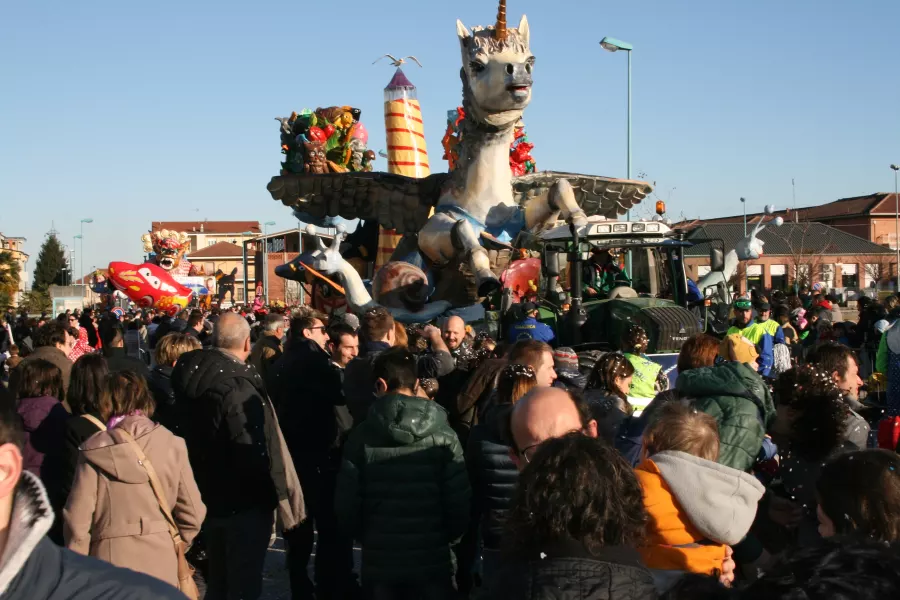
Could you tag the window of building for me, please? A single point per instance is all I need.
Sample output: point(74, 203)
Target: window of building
point(850, 278)
point(778, 275)
point(239, 293)
point(754, 276)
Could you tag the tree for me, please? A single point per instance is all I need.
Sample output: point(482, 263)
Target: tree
point(36, 301)
point(9, 278)
point(806, 251)
point(51, 263)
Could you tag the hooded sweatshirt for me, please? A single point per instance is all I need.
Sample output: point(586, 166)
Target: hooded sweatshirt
point(403, 490)
point(696, 508)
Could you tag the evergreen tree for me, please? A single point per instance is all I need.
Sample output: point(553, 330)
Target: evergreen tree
point(50, 265)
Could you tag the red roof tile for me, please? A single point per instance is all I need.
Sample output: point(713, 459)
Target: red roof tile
point(219, 250)
point(236, 227)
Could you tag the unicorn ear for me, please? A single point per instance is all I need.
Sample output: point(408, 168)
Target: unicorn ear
point(462, 32)
point(524, 31)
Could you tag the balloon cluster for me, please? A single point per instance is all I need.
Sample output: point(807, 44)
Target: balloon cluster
point(326, 140)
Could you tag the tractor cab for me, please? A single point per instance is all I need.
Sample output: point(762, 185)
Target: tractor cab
point(644, 260)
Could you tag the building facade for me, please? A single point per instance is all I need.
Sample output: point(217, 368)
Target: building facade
point(801, 253)
point(14, 246)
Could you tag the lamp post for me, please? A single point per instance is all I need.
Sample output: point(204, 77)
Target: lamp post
point(613, 45)
point(81, 237)
point(266, 257)
point(75, 241)
point(896, 168)
point(746, 272)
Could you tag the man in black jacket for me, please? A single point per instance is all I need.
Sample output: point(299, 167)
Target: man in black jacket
point(117, 357)
point(377, 335)
point(267, 349)
point(34, 568)
point(306, 389)
point(232, 448)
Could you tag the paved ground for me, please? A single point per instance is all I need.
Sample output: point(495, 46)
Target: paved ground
point(275, 575)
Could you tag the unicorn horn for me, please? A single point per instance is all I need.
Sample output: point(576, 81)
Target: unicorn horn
point(500, 29)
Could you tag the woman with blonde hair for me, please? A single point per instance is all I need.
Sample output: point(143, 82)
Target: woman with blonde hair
point(492, 473)
point(168, 350)
point(134, 502)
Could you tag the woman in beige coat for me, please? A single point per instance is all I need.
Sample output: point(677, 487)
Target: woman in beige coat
point(112, 513)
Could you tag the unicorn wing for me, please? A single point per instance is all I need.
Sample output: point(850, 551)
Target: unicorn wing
point(396, 202)
point(596, 195)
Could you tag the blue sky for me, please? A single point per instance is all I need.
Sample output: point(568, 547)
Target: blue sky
point(129, 112)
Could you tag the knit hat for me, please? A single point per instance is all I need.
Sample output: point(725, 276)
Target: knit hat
point(565, 359)
point(737, 348)
point(763, 307)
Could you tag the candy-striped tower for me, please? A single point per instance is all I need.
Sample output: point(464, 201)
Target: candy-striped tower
point(406, 150)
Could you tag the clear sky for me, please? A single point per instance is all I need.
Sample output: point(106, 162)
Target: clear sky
point(127, 112)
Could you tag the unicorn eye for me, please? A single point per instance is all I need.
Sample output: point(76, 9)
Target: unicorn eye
point(477, 66)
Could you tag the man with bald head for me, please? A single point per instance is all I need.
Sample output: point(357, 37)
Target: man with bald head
point(234, 448)
point(545, 413)
point(453, 332)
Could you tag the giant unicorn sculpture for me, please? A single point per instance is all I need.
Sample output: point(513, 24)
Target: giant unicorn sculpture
point(479, 201)
point(749, 248)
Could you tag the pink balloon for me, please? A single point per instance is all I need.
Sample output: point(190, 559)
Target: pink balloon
point(360, 133)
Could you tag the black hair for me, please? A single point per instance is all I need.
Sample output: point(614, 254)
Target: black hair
point(86, 385)
point(51, 333)
point(338, 329)
point(832, 357)
point(836, 568)
point(397, 367)
point(576, 488)
point(818, 428)
point(38, 377)
point(302, 321)
point(860, 493)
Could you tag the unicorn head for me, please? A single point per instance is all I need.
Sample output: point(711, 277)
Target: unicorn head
point(496, 72)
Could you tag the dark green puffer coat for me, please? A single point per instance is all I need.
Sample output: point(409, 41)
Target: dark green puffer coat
point(739, 400)
point(403, 490)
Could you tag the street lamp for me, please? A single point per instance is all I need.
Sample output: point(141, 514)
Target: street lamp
point(266, 257)
point(746, 271)
point(896, 168)
point(613, 45)
point(75, 239)
point(81, 237)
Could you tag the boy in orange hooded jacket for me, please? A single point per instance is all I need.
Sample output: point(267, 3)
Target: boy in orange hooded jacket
point(697, 507)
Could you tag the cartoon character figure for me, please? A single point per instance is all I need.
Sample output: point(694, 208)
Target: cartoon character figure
point(169, 247)
point(315, 158)
point(226, 284)
point(149, 286)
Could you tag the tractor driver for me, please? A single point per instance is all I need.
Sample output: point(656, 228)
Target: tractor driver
point(601, 274)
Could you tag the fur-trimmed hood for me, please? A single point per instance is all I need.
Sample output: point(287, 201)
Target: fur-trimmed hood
point(31, 519)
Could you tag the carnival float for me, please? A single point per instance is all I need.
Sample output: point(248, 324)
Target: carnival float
point(450, 225)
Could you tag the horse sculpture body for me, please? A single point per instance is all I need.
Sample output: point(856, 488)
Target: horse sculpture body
point(479, 200)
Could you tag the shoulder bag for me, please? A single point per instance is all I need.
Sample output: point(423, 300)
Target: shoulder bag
point(185, 571)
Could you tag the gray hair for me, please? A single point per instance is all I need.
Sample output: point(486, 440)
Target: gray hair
point(232, 330)
point(274, 322)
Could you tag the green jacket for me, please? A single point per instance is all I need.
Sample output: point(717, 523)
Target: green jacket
point(403, 490)
point(739, 400)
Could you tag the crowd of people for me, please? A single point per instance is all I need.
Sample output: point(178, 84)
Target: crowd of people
point(143, 456)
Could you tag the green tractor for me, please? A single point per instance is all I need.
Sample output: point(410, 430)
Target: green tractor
point(657, 298)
